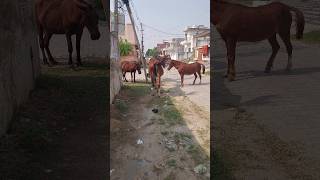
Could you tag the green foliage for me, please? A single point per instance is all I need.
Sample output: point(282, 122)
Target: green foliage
point(125, 47)
point(152, 52)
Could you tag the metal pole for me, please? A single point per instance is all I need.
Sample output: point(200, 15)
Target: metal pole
point(126, 2)
point(142, 46)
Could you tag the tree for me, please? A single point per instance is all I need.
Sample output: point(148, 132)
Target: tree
point(125, 47)
point(152, 52)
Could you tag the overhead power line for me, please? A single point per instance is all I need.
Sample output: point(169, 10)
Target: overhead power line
point(161, 31)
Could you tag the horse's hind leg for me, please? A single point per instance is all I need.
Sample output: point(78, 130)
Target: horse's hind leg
point(41, 42)
point(199, 73)
point(286, 39)
point(195, 77)
point(134, 76)
point(275, 48)
point(47, 38)
point(131, 77)
point(70, 48)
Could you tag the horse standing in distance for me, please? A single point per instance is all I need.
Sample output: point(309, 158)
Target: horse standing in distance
point(187, 69)
point(156, 65)
point(67, 17)
point(236, 22)
point(132, 67)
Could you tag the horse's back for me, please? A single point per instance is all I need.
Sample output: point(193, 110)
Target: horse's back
point(254, 23)
point(129, 66)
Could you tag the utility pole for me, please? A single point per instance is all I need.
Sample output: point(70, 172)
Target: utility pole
point(116, 26)
point(142, 46)
point(126, 2)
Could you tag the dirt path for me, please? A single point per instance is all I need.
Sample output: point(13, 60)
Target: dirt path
point(60, 133)
point(175, 140)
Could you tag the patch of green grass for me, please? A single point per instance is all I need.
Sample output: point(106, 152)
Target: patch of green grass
point(121, 105)
point(220, 169)
point(171, 176)
point(171, 163)
point(312, 37)
point(169, 112)
point(136, 89)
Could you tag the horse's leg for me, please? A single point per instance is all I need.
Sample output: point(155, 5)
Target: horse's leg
point(231, 50)
point(131, 77)
point(158, 85)
point(195, 77)
point(70, 48)
point(182, 80)
point(275, 48)
point(47, 38)
point(41, 42)
point(124, 76)
point(78, 41)
point(228, 70)
point(199, 73)
point(134, 76)
point(286, 39)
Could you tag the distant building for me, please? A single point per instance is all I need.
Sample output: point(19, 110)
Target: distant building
point(190, 42)
point(161, 47)
point(128, 34)
point(175, 49)
point(202, 46)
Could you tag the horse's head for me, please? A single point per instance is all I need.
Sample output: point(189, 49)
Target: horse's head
point(139, 64)
point(89, 18)
point(171, 64)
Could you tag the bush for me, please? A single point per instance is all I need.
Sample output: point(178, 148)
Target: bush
point(125, 47)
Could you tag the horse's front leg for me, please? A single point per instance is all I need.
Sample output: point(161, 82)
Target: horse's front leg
point(158, 85)
point(78, 42)
point(195, 77)
point(70, 48)
point(182, 79)
point(231, 50)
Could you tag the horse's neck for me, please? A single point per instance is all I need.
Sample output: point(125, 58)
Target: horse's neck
point(177, 64)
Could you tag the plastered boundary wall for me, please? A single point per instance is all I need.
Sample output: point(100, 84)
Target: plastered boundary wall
point(19, 56)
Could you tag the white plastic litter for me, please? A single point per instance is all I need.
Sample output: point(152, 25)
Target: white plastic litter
point(139, 141)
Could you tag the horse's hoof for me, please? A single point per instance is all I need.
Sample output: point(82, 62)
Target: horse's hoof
point(267, 71)
point(231, 78)
point(53, 62)
point(225, 76)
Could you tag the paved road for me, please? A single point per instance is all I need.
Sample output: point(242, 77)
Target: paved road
point(198, 93)
point(287, 104)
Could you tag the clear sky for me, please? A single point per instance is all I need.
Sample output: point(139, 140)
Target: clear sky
point(171, 16)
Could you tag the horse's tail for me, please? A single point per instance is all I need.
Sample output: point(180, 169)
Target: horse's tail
point(203, 68)
point(300, 21)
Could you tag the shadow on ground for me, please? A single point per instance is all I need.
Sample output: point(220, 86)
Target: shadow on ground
point(60, 132)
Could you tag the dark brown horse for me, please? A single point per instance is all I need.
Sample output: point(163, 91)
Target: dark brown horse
point(156, 65)
point(67, 17)
point(236, 23)
point(132, 67)
point(187, 69)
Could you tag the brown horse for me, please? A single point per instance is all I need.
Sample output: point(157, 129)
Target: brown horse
point(236, 22)
point(67, 17)
point(156, 65)
point(132, 67)
point(187, 69)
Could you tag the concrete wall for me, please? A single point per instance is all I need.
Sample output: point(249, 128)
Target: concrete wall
point(115, 71)
point(19, 60)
